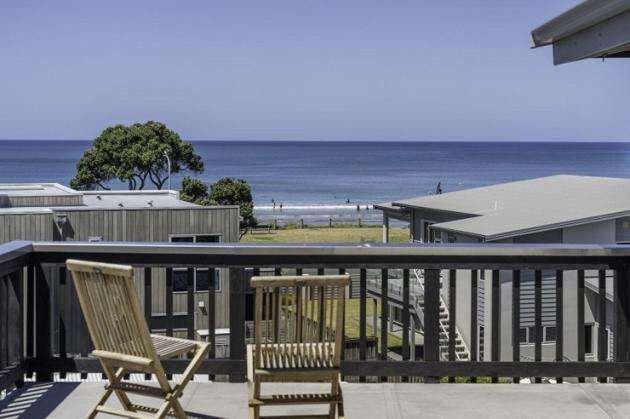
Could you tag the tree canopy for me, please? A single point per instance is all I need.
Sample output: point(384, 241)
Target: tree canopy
point(195, 191)
point(226, 191)
point(135, 155)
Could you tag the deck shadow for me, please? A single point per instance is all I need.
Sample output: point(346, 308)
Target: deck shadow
point(35, 400)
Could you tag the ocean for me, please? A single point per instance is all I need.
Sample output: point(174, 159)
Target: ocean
point(316, 181)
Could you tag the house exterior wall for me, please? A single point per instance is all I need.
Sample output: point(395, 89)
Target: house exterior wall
point(136, 225)
point(41, 201)
point(601, 232)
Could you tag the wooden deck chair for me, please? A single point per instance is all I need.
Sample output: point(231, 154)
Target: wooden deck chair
point(298, 338)
point(122, 341)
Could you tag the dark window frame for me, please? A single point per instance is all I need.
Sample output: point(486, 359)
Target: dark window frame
point(180, 238)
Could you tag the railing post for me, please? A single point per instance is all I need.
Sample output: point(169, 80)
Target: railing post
point(431, 318)
point(237, 319)
point(495, 320)
point(559, 319)
point(474, 344)
point(602, 338)
point(384, 316)
point(43, 348)
point(580, 319)
point(621, 296)
point(16, 296)
point(405, 320)
point(362, 317)
point(516, 319)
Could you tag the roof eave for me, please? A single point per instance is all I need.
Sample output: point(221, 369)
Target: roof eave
point(538, 229)
point(421, 208)
point(584, 15)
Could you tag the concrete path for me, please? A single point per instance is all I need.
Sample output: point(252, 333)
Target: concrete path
point(225, 400)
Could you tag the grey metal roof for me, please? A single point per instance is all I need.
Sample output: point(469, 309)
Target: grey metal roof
point(35, 189)
point(89, 199)
point(529, 206)
point(134, 199)
point(593, 28)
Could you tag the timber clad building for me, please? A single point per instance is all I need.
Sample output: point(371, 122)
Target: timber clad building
point(559, 209)
point(52, 212)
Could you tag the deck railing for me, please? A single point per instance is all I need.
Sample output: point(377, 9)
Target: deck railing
point(30, 346)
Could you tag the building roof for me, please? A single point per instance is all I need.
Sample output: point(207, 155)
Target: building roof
point(35, 189)
point(530, 206)
point(593, 28)
point(134, 199)
point(87, 200)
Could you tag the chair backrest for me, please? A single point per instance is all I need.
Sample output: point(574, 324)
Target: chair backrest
point(301, 318)
point(111, 308)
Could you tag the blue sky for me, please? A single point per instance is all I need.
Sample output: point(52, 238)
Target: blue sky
point(301, 70)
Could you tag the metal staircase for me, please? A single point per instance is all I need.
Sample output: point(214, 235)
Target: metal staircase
point(462, 352)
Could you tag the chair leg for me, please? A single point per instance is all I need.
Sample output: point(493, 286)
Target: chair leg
point(253, 385)
point(334, 389)
point(254, 411)
point(113, 378)
point(340, 410)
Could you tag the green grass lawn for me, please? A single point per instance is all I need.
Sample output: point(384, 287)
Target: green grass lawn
point(352, 322)
point(339, 234)
point(343, 234)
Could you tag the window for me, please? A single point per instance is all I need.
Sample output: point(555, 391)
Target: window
point(531, 338)
point(201, 276)
point(588, 338)
point(550, 334)
point(522, 335)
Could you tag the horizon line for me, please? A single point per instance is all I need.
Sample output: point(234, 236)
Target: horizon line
point(346, 141)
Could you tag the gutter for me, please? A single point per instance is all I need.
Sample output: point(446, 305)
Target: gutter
point(580, 17)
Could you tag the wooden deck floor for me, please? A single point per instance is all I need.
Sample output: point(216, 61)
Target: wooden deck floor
point(224, 400)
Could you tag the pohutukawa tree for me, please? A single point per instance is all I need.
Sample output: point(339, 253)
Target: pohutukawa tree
point(225, 191)
point(135, 155)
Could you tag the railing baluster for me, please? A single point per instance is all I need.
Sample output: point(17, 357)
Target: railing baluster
point(621, 294)
point(452, 309)
point(405, 320)
point(362, 317)
point(62, 309)
point(42, 331)
point(322, 307)
point(30, 312)
point(237, 319)
point(474, 341)
point(148, 302)
point(580, 319)
point(516, 319)
point(559, 319)
point(4, 323)
point(602, 341)
point(384, 316)
point(169, 307)
point(538, 318)
point(190, 300)
point(16, 338)
point(431, 318)
point(211, 313)
point(496, 319)
point(169, 301)
point(342, 271)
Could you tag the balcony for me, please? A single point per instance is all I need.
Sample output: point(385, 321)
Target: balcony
point(44, 346)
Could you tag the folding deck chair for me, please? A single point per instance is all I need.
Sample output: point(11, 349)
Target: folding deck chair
point(123, 343)
point(298, 338)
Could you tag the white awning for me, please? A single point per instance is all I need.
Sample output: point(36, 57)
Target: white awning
point(592, 29)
